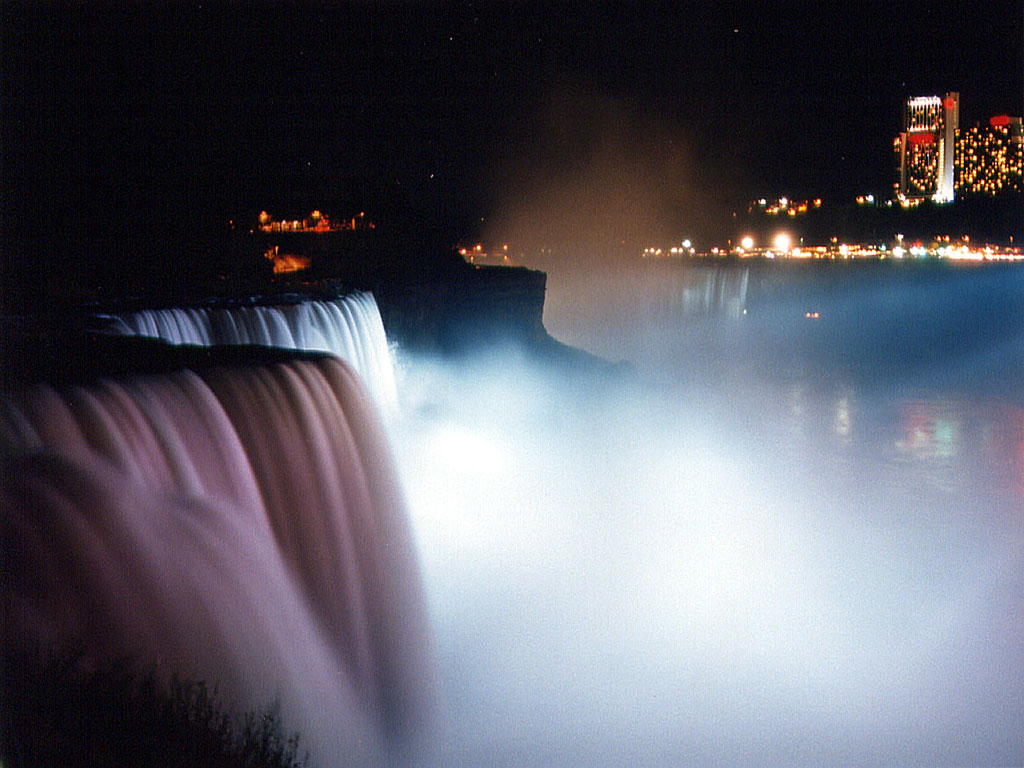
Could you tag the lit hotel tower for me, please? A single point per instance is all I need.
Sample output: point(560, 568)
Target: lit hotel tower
point(926, 147)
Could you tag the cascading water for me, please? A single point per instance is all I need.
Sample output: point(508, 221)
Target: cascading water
point(796, 541)
point(241, 526)
point(349, 327)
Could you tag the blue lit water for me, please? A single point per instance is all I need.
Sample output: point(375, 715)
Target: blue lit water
point(785, 538)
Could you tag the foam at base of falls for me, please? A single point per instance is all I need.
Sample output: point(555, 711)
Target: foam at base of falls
point(349, 327)
point(242, 526)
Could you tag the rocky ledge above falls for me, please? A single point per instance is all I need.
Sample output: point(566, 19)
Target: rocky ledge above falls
point(464, 308)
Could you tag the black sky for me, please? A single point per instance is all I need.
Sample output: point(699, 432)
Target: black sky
point(171, 118)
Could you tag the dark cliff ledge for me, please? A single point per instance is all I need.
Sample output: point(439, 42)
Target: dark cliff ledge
point(429, 298)
point(464, 308)
point(474, 308)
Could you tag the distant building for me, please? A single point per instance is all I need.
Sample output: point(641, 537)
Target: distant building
point(316, 222)
point(990, 158)
point(926, 147)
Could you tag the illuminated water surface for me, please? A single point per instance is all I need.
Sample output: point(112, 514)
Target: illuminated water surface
point(755, 549)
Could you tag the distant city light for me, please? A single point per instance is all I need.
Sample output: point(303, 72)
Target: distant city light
point(784, 206)
point(783, 241)
point(990, 158)
point(747, 243)
point(938, 160)
point(925, 149)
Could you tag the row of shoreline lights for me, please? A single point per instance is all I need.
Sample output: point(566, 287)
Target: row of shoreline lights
point(782, 243)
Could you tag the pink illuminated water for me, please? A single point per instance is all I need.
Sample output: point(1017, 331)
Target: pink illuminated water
point(242, 527)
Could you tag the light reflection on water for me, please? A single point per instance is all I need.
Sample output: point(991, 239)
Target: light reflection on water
point(949, 441)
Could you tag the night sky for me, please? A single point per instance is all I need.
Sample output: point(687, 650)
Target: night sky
point(125, 123)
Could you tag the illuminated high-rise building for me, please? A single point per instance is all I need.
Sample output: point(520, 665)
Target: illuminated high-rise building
point(926, 147)
point(990, 158)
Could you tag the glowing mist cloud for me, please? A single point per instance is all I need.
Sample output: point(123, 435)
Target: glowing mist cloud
point(787, 564)
point(594, 179)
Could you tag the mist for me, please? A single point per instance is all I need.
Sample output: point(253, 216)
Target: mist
point(587, 181)
point(591, 177)
point(787, 553)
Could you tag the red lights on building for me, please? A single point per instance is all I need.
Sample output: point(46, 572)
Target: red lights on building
point(925, 147)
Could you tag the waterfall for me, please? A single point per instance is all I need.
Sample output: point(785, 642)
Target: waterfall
point(349, 327)
point(241, 526)
point(709, 291)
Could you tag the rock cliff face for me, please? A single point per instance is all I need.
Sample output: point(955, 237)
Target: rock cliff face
point(430, 300)
point(463, 308)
